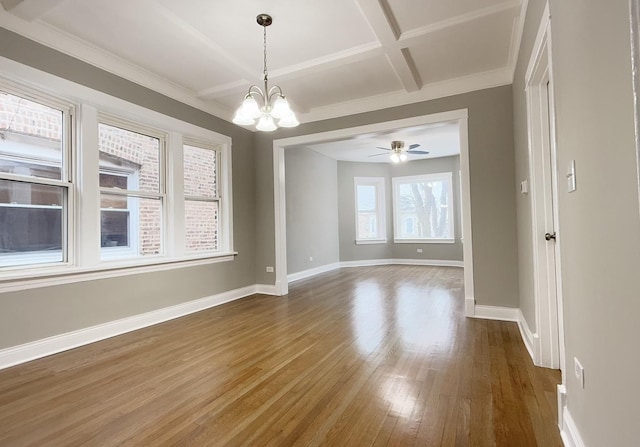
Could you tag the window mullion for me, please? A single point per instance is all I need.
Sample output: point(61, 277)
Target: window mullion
point(175, 196)
point(88, 234)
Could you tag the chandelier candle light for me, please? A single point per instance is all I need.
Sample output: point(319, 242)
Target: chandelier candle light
point(273, 104)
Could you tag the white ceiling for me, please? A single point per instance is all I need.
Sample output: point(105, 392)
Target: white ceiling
point(439, 139)
point(331, 57)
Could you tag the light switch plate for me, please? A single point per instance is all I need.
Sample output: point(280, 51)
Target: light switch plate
point(571, 176)
point(524, 187)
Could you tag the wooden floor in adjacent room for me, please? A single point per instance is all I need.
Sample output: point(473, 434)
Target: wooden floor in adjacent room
point(372, 356)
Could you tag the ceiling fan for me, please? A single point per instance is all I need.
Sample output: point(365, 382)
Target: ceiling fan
point(398, 151)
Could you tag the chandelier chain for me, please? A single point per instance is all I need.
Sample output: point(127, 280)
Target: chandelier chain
point(265, 52)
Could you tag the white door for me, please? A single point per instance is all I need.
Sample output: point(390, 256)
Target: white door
point(548, 340)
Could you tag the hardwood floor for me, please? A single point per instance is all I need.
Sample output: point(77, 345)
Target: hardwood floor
point(377, 356)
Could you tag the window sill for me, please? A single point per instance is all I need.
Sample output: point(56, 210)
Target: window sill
point(370, 241)
point(45, 276)
point(424, 241)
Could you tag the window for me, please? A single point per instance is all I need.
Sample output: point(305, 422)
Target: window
point(370, 213)
point(202, 202)
point(35, 180)
point(423, 208)
point(131, 191)
point(131, 188)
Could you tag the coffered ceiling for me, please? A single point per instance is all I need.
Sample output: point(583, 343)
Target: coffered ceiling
point(331, 57)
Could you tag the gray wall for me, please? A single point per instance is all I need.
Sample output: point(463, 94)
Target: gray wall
point(311, 183)
point(350, 251)
point(37, 313)
point(599, 222)
point(491, 158)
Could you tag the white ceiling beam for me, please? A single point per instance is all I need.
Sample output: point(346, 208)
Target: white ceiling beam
point(385, 27)
point(30, 10)
point(310, 67)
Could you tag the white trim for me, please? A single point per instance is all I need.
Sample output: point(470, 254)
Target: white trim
point(52, 277)
point(312, 272)
point(280, 217)
point(529, 338)
point(370, 241)
point(58, 343)
point(398, 261)
point(496, 313)
point(424, 241)
point(569, 431)
point(266, 289)
point(469, 306)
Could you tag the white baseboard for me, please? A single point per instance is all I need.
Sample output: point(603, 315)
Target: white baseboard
point(312, 272)
point(58, 343)
point(496, 313)
point(397, 261)
point(569, 431)
point(528, 337)
point(266, 289)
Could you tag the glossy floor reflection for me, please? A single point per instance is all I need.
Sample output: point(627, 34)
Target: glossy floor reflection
point(375, 356)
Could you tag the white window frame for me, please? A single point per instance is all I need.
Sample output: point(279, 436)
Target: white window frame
point(380, 211)
point(132, 250)
point(193, 142)
point(66, 182)
point(397, 181)
point(82, 220)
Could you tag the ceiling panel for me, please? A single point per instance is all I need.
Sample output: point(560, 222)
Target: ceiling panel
point(339, 84)
point(301, 30)
point(412, 14)
point(143, 37)
point(473, 47)
point(439, 139)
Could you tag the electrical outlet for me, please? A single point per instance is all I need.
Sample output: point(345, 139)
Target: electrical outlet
point(269, 269)
point(418, 250)
point(579, 371)
point(310, 258)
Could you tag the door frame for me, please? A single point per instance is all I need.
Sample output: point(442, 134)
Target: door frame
point(548, 339)
point(280, 213)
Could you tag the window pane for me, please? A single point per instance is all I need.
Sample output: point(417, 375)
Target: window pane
point(367, 225)
point(366, 197)
point(31, 223)
point(130, 226)
point(131, 155)
point(201, 225)
point(423, 209)
point(199, 172)
point(30, 138)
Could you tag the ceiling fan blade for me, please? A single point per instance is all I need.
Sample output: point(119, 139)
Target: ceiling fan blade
point(417, 152)
point(413, 146)
point(384, 148)
point(376, 155)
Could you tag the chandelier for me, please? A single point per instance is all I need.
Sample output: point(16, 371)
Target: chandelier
point(266, 105)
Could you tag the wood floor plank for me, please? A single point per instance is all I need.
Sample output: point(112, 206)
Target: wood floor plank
point(373, 356)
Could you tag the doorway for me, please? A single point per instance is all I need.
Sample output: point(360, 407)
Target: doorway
point(548, 341)
point(461, 116)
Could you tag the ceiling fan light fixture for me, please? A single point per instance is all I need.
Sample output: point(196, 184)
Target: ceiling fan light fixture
point(267, 104)
point(395, 158)
point(403, 157)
